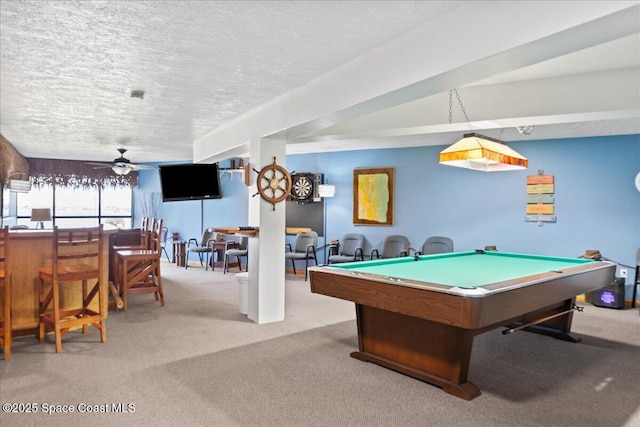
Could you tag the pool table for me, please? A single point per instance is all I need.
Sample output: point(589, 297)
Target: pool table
point(419, 315)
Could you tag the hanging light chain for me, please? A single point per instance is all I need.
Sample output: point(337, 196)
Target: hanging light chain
point(451, 92)
point(450, 99)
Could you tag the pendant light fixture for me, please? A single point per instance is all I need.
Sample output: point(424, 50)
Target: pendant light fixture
point(478, 152)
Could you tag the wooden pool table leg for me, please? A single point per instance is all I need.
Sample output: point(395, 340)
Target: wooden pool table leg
point(466, 390)
point(429, 351)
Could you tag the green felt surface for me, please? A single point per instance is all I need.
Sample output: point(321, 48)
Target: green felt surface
point(465, 269)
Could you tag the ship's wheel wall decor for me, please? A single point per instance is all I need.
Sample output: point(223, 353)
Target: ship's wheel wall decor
point(274, 183)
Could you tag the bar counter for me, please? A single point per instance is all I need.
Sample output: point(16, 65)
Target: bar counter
point(31, 250)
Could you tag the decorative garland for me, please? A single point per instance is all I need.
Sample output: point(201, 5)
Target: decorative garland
point(76, 174)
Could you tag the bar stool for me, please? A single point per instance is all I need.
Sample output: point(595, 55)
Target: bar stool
point(139, 269)
point(76, 257)
point(5, 293)
point(126, 240)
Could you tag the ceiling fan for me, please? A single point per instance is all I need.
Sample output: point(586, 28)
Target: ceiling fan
point(121, 165)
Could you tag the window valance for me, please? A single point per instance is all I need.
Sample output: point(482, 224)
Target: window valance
point(76, 174)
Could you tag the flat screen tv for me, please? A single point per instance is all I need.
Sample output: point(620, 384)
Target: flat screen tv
point(190, 182)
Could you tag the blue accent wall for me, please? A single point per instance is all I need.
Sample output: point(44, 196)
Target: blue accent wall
point(596, 203)
point(189, 218)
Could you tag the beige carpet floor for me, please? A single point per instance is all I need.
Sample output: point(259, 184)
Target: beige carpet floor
point(199, 362)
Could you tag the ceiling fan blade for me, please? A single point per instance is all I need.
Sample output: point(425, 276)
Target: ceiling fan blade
point(120, 162)
point(100, 165)
point(143, 167)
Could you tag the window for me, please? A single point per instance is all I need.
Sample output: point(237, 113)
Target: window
point(116, 206)
point(78, 207)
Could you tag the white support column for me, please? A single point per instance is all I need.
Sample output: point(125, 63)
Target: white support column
point(266, 251)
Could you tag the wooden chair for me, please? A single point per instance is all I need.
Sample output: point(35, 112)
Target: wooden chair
point(145, 230)
point(5, 293)
point(122, 239)
point(126, 240)
point(76, 257)
point(139, 269)
point(220, 245)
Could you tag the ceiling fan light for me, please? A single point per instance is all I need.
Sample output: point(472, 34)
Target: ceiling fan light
point(120, 170)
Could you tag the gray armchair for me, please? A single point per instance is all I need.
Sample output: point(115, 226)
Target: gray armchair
point(241, 250)
point(305, 249)
point(163, 241)
point(350, 249)
point(392, 247)
point(202, 247)
point(437, 245)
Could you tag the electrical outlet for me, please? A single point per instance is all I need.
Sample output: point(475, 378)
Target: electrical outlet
point(623, 272)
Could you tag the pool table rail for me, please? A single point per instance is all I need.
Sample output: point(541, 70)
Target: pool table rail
point(505, 302)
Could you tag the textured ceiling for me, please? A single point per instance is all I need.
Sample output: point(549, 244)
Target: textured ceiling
point(68, 67)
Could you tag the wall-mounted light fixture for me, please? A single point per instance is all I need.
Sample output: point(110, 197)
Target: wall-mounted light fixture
point(326, 191)
point(22, 185)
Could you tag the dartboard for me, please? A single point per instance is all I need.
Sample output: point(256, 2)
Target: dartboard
point(302, 187)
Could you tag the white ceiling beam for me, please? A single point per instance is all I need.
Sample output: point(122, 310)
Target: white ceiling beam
point(610, 94)
point(514, 35)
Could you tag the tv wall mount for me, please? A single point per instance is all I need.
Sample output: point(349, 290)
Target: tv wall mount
point(274, 183)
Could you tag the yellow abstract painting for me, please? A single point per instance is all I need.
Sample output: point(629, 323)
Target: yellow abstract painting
point(373, 196)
